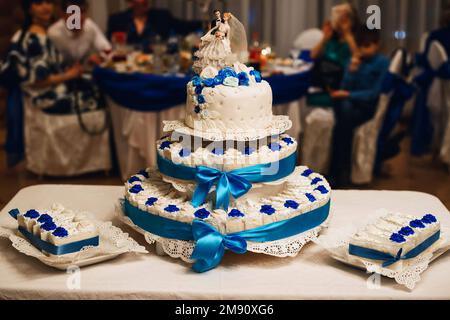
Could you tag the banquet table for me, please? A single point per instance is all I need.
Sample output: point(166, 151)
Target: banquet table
point(310, 275)
point(140, 102)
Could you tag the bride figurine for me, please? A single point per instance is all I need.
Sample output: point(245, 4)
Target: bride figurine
point(223, 45)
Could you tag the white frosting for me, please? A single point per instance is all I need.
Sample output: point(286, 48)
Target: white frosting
point(231, 159)
point(231, 108)
point(250, 205)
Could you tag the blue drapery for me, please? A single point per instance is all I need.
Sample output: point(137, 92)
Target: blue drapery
point(146, 92)
point(422, 127)
point(15, 146)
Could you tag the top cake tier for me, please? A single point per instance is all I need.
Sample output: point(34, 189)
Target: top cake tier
point(230, 99)
point(232, 103)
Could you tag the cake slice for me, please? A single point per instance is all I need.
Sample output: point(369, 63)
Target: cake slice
point(58, 231)
point(394, 232)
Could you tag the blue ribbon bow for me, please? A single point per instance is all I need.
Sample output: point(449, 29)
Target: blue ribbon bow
point(226, 183)
point(210, 246)
point(235, 183)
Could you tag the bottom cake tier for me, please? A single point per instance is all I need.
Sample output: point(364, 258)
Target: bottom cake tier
point(277, 223)
point(302, 192)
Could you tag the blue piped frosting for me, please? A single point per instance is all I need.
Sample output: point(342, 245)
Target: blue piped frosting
point(60, 232)
point(307, 173)
point(274, 146)
point(218, 151)
point(151, 201)
point(267, 209)
point(291, 204)
point(202, 213)
point(406, 231)
point(322, 189)
point(418, 224)
point(288, 141)
point(235, 213)
point(310, 197)
point(32, 214)
point(171, 208)
point(136, 189)
point(165, 145)
point(397, 238)
point(316, 181)
point(49, 226)
point(134, 179)
point(248, 151)
point(184, 152)
point(429, 219)
point(44, 218)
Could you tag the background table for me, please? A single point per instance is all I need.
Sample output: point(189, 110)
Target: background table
point(310, 275)
point(140, 102)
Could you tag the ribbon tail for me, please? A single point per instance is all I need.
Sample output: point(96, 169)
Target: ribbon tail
point(390, 262)
point(204, 264)
point(14, 213)
point(223, 193)
point(200, 194)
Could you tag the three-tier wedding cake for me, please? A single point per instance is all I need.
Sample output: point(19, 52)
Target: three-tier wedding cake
point(227, 175)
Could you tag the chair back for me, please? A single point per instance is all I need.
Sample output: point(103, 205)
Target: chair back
point(436, 58)
point(308, 39)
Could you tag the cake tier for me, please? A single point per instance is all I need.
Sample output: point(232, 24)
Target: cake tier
point(300, 193)
point(230, 99)
point(227, 156)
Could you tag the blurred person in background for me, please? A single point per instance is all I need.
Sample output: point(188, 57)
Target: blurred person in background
point(333, 53)
point(84, 45)
point(141, 23)
point(442, 35)
point(356, 101)
point(53, 87)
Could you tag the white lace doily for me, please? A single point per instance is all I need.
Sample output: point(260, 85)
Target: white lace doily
point(279, 125)
point(288, 247)
point(113, 242)
point(407, 274)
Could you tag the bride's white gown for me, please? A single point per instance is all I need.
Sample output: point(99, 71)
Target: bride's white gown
point(214, 51)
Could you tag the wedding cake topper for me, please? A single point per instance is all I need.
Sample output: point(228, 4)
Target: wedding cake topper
point(223, 45)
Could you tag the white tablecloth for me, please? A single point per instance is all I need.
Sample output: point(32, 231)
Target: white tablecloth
point(135, 133)
point(310, 275)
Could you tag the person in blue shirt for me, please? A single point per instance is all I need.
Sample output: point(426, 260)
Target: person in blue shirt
point(356, 102)
point(141, 23)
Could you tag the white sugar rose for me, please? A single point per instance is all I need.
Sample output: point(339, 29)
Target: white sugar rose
point(231, 82)
point(209, 72)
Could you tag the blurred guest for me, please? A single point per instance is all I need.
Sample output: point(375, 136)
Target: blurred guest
point(357, 101)
point(442, 35)
point(39, 66)
point(333, 53)
point(141, 23)
point(85, 44)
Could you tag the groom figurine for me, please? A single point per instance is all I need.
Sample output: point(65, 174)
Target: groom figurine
point(215, 22)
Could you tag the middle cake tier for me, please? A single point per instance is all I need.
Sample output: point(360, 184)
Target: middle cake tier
point(227, 156)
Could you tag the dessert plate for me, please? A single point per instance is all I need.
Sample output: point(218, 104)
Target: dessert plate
point(113, 242)
point(406, 272)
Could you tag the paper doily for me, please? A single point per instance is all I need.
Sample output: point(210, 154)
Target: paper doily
point(113, 242)
point(279, 125)
point(288, 247)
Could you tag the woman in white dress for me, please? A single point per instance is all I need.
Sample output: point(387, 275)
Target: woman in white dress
point(215, 48)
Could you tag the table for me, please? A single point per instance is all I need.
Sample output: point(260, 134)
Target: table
point(310, 275)
point(140, 102)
